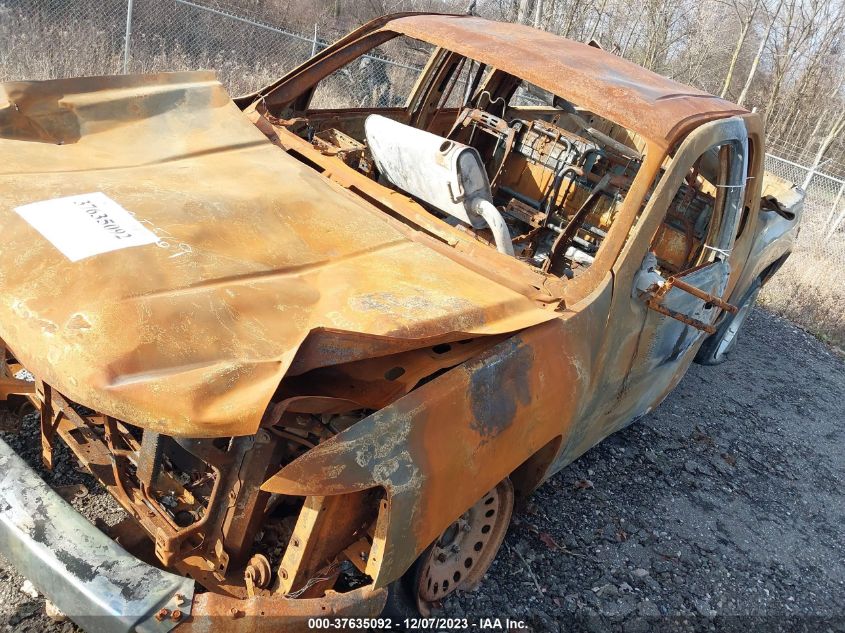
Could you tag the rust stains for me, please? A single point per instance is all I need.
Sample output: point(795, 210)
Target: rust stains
point(612, 87)
point(306, 368)
point(658, 108)
point(499, 387)
point(257, 253)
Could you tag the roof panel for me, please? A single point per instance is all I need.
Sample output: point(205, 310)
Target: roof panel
point(654, 106)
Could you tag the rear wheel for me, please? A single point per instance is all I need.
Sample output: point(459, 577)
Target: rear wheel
point(458, 559)
point(717, 348)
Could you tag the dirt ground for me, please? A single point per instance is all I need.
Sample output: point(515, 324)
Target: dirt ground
point(722, 510)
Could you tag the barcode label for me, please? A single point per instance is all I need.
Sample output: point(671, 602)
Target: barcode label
point(86, 225)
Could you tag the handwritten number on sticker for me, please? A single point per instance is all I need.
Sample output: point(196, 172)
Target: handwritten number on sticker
point(102, 218)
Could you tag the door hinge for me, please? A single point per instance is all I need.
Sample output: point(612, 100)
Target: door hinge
point(655, 294)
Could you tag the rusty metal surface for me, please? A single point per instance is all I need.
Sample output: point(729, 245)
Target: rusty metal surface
point(576, 378)
point(10, 386)
point(463, 553)
point(416, 450)
point(326, 526)
point(364, 354)
point(612, 87)
point(219, 614)
point(658, 108)
point(257, 255)
point(458, 245)
point(655, 295)
point(88, 576)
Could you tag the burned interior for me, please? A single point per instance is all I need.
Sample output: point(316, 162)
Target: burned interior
point(552, 174)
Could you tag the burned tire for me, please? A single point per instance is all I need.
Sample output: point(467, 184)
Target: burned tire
point(717, 348)
point(457, 560)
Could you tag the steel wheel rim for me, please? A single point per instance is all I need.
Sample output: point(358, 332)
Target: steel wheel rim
point(729, 337)
point(463, 553)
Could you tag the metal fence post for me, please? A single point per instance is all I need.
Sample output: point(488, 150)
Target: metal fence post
point(841, 216)
point(127, 36)
point(314, 44)
point(835, 204)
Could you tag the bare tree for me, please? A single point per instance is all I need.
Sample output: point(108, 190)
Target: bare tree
point(817, 72)
point(750, 12)
point(836, 128)
point(756, 63)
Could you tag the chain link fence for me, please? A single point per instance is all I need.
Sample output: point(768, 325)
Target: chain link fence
point(42, 39)
point(810, 288)
point(46, 39)
point(824, 211)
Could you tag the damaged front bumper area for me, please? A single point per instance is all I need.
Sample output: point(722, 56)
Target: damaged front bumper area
point(103, 588)
point(82, 571)
point(222, 582)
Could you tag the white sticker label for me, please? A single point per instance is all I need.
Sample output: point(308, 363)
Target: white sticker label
point(86, 225)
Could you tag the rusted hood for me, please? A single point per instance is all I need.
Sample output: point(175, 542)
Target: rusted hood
point(256, 254)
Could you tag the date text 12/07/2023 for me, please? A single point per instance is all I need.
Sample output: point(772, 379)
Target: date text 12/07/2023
point(417, 624)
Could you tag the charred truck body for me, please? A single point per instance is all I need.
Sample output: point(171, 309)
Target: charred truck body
point(314, 349)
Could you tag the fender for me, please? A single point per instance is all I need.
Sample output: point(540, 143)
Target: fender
point(485, 417)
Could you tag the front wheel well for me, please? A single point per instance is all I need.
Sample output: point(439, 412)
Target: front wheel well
point(532, 472)
point(771, 269)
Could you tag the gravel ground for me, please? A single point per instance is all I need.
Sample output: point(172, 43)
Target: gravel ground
point(722, 510)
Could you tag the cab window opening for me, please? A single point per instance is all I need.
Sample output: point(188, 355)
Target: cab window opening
point(556, 174)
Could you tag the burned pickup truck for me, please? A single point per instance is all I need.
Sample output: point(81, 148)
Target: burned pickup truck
point(316, 340)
